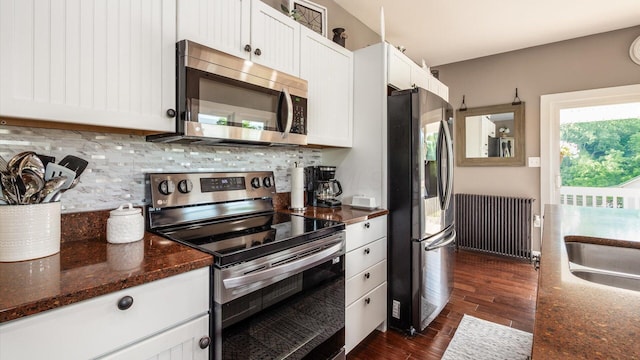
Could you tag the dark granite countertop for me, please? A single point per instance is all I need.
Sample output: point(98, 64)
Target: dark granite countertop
point(579, 319)
point(345, 213)
point(89, 267)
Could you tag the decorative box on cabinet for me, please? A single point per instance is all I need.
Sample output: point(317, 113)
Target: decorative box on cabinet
point(249, 29)
point(89, 62)
point(168, 316)
point(366, 280)
point(328, 68)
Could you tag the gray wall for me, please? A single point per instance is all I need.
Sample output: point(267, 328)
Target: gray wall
point(596, 61)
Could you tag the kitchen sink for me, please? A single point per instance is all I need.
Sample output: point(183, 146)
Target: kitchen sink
point(605, 264)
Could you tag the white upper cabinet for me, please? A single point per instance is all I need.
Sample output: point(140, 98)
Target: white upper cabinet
point(328, 68)
point(94, 62)
point(398, 69)
point(249, 29)
point(403, 73)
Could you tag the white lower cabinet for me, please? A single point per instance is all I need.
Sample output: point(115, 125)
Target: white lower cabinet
point(164, 317)
point(180, 343)
point(366, 280)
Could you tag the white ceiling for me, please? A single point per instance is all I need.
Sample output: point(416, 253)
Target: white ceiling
point(446, 31)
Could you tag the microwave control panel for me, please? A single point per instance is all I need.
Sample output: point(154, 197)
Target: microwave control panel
point(299, 125)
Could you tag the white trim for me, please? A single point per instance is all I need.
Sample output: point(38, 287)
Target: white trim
point(550, 106)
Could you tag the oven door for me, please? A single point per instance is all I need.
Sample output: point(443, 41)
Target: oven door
point(288, 305)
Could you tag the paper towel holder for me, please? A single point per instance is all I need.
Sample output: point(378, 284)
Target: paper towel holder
point(297, 180)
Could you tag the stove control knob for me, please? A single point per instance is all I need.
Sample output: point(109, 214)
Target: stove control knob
point(267, 182)
point(255, 182)
point(185, 186)
point(166, 187)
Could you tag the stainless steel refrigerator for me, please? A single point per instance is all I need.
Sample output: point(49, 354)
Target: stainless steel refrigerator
point(421, 217)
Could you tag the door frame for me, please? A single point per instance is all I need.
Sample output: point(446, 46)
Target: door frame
point(550, 106)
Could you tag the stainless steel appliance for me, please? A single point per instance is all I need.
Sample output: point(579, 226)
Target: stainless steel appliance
point(421, 216)
point(277, 281)
point(322, 187)
point(223, 99)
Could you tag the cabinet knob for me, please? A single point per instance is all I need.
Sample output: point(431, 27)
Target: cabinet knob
point(125, 302)
point(367, 251)
point(204, 342)
point(367, 275)
point(171, 113)
point(367, 225)
point(367, 301)
point(258, 52)
point(247, 48)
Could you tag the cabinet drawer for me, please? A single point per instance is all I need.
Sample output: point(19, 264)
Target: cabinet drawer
point(365, 281)
point(366, 231)
point(364, 315)
point(94, 327)
point(365, 256)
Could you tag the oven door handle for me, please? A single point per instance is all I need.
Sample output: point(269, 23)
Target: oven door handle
point(288, 268)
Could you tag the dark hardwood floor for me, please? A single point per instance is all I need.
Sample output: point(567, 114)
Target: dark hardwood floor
point(493, 288)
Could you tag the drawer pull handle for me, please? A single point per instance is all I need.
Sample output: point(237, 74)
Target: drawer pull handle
point(367, 301)
point(247, 48)
point(204, 342)
point(125, 302)
point(367, 251)
point(367, 275)
point(258, 52)
point(367, 225)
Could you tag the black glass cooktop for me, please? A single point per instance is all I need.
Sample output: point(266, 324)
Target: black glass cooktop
point(247, 238)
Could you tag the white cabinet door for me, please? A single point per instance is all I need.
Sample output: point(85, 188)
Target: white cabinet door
point(398, 69)
point(94, 62)
point(249, 29)
point(98, 326)
point(219, 24)
point(180, 343)
point(328, 68)
point(420, 78)
point(275, 39)
point(365, 315)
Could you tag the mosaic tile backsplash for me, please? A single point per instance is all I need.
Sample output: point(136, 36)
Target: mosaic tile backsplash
point(118, 163)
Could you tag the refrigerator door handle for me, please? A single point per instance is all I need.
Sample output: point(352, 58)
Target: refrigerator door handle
point(449, 147)
point(440, 244)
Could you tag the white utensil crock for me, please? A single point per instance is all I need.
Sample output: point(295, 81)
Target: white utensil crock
point(29, 231)
point(125, 225)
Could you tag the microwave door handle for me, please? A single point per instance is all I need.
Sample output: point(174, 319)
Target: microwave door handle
point(287, 97)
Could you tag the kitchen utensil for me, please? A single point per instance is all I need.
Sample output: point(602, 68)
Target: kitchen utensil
point(32, 163)
point(13, 166)
point(51, 188)
point(8, 188)
point(33, 184)
point(125, 225)
point(57, 196)
point(74, 163)
point(2, 200)
point(46, 159)
point(3, 164)
point(55, 170)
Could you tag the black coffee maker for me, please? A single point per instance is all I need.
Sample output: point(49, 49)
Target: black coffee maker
point(321, 186)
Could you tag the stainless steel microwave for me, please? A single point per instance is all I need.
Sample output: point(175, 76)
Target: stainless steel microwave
point(223, 99)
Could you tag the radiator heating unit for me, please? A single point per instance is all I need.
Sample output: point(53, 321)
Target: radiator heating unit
point(494, 224)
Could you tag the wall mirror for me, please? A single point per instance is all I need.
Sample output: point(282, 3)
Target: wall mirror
point(490, 136)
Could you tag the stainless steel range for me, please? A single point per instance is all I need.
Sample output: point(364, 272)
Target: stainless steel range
point(278, 279)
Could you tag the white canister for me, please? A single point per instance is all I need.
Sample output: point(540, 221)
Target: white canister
point(125, 225)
